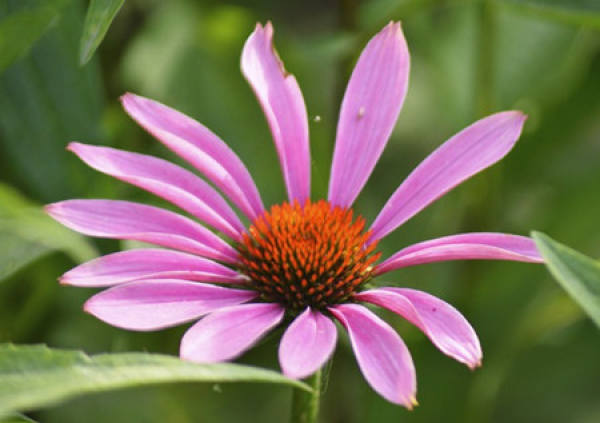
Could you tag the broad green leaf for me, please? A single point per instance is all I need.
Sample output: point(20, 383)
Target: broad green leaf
point(579, 275)
point(47, 100)
point(99, 16)
point(27, 233)
point(17, 418)
point(22, 28)
point(578, 12)
point(16, 253)
point(36, 376)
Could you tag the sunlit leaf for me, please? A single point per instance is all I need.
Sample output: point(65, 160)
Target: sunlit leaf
point(579, 275)
point(27, 233)
point(36, 376)
point(578, 12)
point(99, 16)
point(22, 28)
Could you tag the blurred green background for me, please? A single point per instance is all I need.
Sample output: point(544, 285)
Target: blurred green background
point(469, 58)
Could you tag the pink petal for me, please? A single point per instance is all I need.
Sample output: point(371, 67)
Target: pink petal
point(442, 323)
point(381, 354)
point(125, 220)
point(200, 147)
point(157, 304)
point(228, 333)
point(166, 180)
point(370, 108)
point(471, 246)
point(282, 102)
point(307, 344)
point(127, 266)
point(468, 152)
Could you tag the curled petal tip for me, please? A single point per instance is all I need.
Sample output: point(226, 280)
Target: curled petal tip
point(519, 118)
point(72, 145)
point(412, 403)
point(87, 307)
point(127, 98)
point(49, 209)
point(517, 115)
point(266, 29)
point(521, 115)
point(524, 118)
point(475, 365)
point(394, 27)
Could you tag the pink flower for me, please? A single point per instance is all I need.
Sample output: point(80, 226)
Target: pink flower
point(307, 260)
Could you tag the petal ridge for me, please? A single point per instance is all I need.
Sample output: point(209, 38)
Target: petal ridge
point(307, 344)
point(157, 304)
point(445, 326)
point(200, 147)
point(139, 222)
point(371, 105)
point(281, 100)
point(164, 179)
point(470, 151)
point(382, 356)
point(467, 246)
point(229, 332)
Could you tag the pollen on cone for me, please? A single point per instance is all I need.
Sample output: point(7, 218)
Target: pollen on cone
point(312, 255)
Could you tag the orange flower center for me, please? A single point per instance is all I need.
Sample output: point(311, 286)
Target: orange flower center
point(315, 255)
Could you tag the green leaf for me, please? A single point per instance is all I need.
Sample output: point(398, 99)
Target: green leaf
point(47, 100)
point(16, 253)
point(34, 376)
point(577, 12)
point(17, 418)
point(99, 16)
point(579, 275)
point(22, 28)
point(27, 233)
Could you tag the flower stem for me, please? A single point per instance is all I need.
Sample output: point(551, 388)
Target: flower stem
point(305, 405)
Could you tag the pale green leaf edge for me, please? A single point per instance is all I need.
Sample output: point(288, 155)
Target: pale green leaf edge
point(97, 21)
point(35, 376)
point(575, 272)
point(25, 219)
point(16, 418)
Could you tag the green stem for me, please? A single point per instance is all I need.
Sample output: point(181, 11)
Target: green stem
point(485, 61)
point(305, 405)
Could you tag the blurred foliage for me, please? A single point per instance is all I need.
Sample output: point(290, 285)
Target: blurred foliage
point(22, 26)
point(579, 12)
point(469, 58)
point(25, 221)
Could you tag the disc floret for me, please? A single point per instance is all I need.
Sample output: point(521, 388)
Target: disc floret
point(313, 255)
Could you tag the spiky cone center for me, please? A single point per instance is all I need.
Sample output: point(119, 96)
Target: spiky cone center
point(313, 255)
